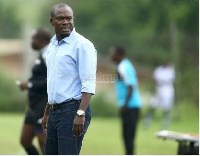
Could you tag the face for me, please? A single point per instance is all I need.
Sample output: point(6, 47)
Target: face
point(63, 22)
point(113, 55)
point(36, 43)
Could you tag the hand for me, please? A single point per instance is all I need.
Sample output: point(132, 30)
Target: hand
point(44, 123)
point(23, 86)
point(78, 125)
point(123, 109)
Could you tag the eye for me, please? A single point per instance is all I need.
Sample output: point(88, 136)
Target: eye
point(59, 18)
point(69, 18)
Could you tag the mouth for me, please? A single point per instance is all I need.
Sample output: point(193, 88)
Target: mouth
point(66, 29)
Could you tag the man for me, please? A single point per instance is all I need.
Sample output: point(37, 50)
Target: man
point(164, 76)
point(128, 96)
point(71, 81)
point(37, 94)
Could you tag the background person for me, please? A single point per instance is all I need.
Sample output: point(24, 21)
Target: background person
point(37, 94)
point(128, 97)
point(164, 77)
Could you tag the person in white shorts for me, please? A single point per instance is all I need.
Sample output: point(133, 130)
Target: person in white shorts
point(164, 77)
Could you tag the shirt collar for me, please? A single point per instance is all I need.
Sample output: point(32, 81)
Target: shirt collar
point(70, 37)
point(124, 59)
point(67, 39)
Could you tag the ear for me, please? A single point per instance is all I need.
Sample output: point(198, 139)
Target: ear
point(51, 21)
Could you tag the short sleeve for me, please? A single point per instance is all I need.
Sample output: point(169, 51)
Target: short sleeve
point(128, 74)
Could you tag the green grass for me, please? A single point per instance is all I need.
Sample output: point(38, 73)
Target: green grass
point(10, 133)
point(104, 135)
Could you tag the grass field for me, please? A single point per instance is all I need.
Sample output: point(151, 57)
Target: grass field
point(103, 136)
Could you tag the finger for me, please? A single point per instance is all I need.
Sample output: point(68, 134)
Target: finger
point(44, 125)
point(75, 130)
point(80, 129)
point(45, 130)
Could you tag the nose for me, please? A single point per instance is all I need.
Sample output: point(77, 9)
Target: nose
point(65, 21)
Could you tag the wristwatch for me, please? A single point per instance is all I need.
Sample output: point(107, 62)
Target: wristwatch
point(80, 113)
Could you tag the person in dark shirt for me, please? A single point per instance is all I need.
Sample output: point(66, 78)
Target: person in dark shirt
point(37, 94)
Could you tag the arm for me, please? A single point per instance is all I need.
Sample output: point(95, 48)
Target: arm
point(41, 84)
point(130, 90)
point(23, 86)
point(45, 118)
point(85, 101)
point(79, 121)
point(129, 79)
point(87, 62)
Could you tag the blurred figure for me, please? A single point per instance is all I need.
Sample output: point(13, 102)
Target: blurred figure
point(128, 97)
point(37, 94)
point(163, 97)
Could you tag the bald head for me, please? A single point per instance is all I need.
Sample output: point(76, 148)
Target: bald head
point(40, 38)
point(43, 34)
point(117, 54)
point(60, 5)
point(62, 20)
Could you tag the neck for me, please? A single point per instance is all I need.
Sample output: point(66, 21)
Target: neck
point(59, 37)
point(120, 60)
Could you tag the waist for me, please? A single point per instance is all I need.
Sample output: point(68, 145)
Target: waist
point(56, 106)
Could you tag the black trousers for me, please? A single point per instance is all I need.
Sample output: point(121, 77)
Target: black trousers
point(129, 125)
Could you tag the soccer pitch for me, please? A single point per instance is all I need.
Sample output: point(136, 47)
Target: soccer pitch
point(103, 136)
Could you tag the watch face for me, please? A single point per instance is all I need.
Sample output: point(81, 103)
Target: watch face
point(80, 112)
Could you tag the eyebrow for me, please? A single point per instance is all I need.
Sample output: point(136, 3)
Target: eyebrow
point(63, 16)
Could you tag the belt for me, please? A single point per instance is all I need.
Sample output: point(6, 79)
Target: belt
point(63, 104)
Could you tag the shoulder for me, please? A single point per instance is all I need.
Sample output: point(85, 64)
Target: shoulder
point(128, 65)
point(122, 66)
point(171, 70)
point(83, 42)
point(159, 68)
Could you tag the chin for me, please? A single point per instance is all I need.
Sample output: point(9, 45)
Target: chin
point(35, 48)
point(65, 35)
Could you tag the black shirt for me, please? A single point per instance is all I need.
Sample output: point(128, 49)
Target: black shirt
point(37, 94)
